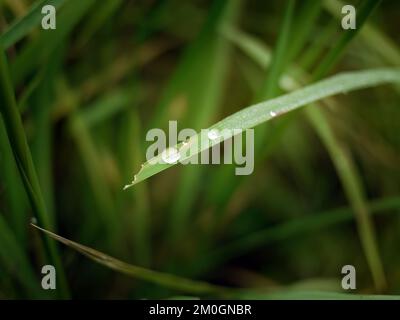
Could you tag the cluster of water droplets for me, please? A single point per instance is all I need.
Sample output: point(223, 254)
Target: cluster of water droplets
point(172, 155)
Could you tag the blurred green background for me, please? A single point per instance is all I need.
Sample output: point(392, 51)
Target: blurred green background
point(325, 191)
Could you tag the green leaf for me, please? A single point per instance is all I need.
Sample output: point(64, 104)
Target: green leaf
point(160, 278)
point(259, 113)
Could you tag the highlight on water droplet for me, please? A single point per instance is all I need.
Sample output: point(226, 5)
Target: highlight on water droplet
point(272, 113)
point(213, 134)
point(170, 155)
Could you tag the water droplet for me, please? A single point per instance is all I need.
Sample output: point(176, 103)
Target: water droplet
point(272, 113)
point(170, 155)
point(213, 134)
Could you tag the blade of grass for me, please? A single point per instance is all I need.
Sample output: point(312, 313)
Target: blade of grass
point(42, 104)
point(39, 50)
point(293, 228)
point(344, 165)
point(18, 142)
point(27, 23)
point(341, 159)
point(372, 36)
point(92, 163)
point(366, 8)
point(162, 279)
point(107, 106)
point(103, 12)
point(137, 204)
point(261, 112)
point(16, 200)
point(16, 261)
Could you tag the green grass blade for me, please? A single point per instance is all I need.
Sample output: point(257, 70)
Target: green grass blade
point(159, 278)
point(294, 228)
point(354, 191)
point(259, 113)
point(363, 13)
point(37, 51)
point(279, 58)
point(16, 261)
point(16, 199)
point(136, 204)
point(342, 161)
point(344, 165)
point(372, 36)
point(27, 23)
point(22, 155)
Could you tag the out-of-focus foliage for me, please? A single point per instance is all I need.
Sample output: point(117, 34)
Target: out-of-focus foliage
point(78, 101)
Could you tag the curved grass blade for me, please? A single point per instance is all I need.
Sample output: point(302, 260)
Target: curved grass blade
point(261, 112)
point(160, 278)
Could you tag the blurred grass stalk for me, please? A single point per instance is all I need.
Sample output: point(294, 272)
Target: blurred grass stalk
point(23, 158)
point(346, 170)
point(137, 204)
point(342, 160)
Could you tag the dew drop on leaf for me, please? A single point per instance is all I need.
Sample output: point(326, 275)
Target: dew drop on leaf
point(213, 134)
point(170, 155)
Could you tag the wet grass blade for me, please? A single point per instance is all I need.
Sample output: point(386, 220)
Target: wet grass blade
point(265, 111)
